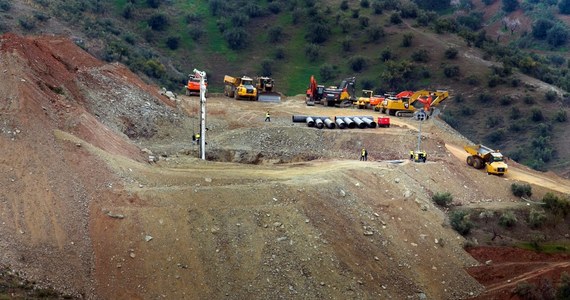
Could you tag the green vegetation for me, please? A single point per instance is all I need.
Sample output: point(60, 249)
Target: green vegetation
point(507, 219)
point(556, 205)
point(561, 116)
point(536, 218)
point(293, 40)
point(460, 221)
point(451, 53)
point(521, 190)
point(546, 247)
point(442, 199)
point(5, 5)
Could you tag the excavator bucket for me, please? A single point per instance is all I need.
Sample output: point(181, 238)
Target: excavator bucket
point(269, 97)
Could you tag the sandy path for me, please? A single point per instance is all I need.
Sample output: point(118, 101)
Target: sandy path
point(549, 181)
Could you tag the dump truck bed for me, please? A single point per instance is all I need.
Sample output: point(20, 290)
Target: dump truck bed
point(230, 79)
point(479, 150)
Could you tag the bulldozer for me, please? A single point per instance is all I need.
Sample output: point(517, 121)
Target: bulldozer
point(342, 95)
point(406, 103)
point(240, 88)
point(266, 90)
point(315, 92)
point(484, 157)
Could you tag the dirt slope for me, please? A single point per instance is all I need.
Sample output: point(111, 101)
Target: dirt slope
point(279, 210)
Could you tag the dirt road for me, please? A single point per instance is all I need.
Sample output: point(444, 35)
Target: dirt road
point(533, 177)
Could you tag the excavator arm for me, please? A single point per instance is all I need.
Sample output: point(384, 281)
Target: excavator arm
point(311, 91)
point(440, 96)
point(428, 99)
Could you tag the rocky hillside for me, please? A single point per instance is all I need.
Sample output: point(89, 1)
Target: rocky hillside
point(503, 61)
point(279, 210)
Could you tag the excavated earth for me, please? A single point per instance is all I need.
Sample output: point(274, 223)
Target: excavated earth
point(277, 211)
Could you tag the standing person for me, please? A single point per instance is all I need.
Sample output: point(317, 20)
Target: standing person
point(196, 138)
point(363, 155)
point(267, 117)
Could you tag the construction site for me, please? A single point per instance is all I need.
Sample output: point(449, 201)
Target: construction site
point(105, 194)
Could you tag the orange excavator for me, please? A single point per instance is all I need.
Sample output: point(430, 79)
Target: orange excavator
point(193, 86)
point(315, 92)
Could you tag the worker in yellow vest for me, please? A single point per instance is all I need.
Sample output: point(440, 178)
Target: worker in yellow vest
point(364, 155)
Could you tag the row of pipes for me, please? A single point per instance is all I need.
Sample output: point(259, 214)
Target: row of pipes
point(342, 122)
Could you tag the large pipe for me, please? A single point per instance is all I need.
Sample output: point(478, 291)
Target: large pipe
point(349, 122)
point(359, 123)
point(340, 123)
point(319, 123)
point(330, 124)
point(360, 117)
point(310, 122)
point(369, 122)
point(299, 119)
point(303, 119)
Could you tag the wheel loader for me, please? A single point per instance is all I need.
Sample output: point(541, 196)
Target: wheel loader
point(240, 88)
point(266, 90)
point(484, 157)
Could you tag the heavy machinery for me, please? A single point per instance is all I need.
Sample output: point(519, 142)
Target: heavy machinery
point(240, 87)
point(315, 92)
point(266, 89)
point(193, 86)
point(418, 156)
point(367, 98)
point(391, 97)
point(405, 104)
point(484, 157)
point(342, 95)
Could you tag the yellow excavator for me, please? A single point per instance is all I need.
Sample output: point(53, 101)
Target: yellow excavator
point(406, 105)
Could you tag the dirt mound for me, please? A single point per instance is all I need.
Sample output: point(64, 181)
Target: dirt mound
point(49, 86)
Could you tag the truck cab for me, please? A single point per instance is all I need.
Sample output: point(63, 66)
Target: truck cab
point(495, 164)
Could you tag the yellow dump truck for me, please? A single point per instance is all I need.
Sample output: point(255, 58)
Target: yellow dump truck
point(240, 87)
point(484, 157)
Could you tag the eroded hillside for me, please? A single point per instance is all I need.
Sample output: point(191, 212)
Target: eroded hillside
point(279, 210)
